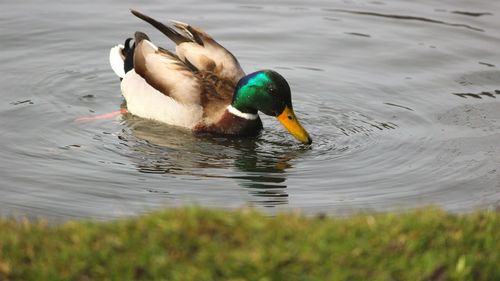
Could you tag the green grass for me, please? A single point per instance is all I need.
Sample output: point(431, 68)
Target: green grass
point(201, 244)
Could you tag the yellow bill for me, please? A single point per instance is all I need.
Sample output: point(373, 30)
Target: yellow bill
point(290, 122)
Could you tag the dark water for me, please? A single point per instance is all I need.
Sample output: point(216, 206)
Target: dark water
point(400, 97)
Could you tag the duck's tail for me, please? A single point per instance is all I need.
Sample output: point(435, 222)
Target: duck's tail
point(121, 58)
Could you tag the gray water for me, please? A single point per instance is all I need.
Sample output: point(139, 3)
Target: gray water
point(401, 99)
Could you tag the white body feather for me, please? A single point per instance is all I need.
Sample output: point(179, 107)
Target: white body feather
point(145, 101)
point(116, 60)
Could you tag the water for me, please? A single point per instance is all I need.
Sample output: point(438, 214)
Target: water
point(401, 99)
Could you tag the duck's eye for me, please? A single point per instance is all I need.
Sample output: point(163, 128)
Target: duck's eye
point(271, 90)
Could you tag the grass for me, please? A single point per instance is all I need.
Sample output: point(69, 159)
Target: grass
point(201, 244)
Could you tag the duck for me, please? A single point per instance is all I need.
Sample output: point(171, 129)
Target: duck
point(201, 87)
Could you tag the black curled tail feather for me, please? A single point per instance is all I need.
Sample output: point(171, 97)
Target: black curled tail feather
point(128, 53)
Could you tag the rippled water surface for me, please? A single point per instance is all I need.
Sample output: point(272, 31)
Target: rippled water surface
point(401, 99)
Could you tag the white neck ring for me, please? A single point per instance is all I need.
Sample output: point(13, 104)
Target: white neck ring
point(248, 116)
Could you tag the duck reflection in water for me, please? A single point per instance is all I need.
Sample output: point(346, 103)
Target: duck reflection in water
point(265, 176)
point(257, 165)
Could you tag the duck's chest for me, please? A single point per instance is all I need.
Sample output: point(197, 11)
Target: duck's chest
point(230, 124)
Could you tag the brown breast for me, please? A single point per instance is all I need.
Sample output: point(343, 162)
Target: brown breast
point(230, 124)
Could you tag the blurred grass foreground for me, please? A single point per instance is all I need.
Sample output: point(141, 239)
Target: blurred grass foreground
point(201, 244)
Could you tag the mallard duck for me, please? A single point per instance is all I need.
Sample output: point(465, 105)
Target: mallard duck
point(202, 87)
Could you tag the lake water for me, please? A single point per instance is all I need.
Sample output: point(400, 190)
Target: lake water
point(401, 98)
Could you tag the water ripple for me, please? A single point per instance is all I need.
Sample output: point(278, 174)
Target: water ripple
point(405, 17)
point(380, 139)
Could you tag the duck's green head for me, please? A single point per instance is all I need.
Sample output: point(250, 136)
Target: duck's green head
point(268, 92)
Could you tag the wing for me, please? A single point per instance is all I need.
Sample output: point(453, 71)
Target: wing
point(197, 48)
point(165, 72)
